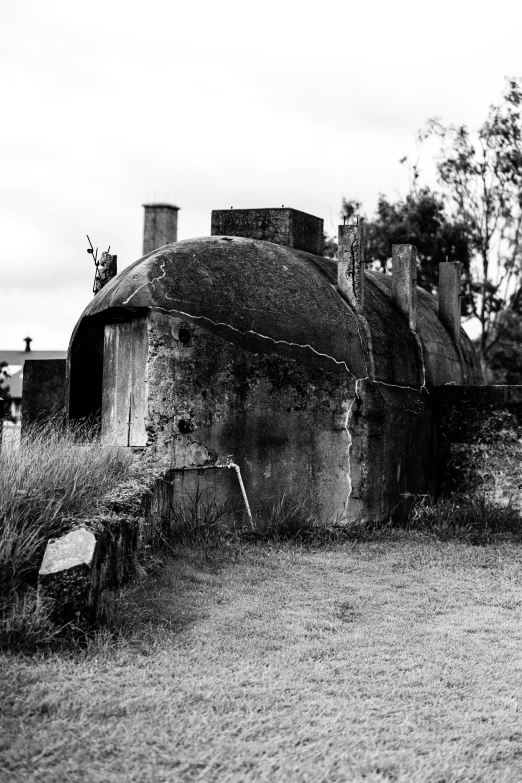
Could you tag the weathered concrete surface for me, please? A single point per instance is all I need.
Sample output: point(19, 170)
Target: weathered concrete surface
point(449, 297)
point(481, 441)
point(43, 391)
point(72, 550)
point(272, 299)
point(65, 576)
point(350, 451)
point(444, 361)
point(253, 352)
point(282, 226)
point(404, 281)
point(161, 226)
point(81, 565)
point(117, 545)
point(394, 449)
point(350, 267)
point(283, 422)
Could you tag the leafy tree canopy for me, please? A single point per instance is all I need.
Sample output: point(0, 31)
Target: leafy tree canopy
point(419, 219)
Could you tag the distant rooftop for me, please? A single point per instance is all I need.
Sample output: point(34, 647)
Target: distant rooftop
point(15, 361)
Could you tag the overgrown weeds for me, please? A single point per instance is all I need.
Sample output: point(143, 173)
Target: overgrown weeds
point(203, 519)
point(56, 479)
point(56, 475)
point(473, 519)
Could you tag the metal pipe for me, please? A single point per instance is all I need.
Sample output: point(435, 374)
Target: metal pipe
point(227, 464)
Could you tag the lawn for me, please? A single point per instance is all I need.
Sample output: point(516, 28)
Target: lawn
point(396, 660)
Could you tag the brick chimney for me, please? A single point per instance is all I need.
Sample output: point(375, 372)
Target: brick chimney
point(161, 226)
point(449, 297)
point(350, 267)
point(404, 281)
point(282, 226)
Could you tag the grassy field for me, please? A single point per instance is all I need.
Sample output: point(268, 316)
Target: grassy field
point(387, 661)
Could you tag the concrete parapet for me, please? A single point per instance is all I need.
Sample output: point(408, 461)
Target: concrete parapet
point(404, 281)
point(449, 297)
point(350, 267)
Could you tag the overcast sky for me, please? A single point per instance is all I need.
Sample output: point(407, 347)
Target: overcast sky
point(108, 104)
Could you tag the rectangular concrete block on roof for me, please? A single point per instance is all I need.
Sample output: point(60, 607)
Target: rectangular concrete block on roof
point(160, 227)
point(283, 226)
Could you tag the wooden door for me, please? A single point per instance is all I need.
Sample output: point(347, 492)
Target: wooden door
point(124, 396)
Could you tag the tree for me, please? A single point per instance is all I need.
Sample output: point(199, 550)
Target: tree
point(421, 220)
point(481, 176)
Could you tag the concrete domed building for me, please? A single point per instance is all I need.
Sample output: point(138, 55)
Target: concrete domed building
point(313, 375)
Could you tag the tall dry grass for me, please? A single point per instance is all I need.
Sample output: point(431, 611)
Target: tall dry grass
point(56, 476)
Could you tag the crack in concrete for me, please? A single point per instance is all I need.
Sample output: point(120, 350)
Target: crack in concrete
point(421, 354)
point(149, 282)
point(350, 444)
point(358, 381)
point(339, 362)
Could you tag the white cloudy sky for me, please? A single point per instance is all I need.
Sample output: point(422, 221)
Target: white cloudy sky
point(111, 103)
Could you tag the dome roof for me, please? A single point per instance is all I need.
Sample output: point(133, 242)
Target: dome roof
point(272, 298)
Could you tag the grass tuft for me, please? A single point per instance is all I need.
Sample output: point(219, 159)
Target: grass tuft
point(473, 519)
point(199, 518)
point(56, 479)
point(55, 476)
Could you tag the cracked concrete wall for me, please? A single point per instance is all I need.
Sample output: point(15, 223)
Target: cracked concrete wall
point(255, 353)
point(395, 442)
point(283, 422)
point(355, 451)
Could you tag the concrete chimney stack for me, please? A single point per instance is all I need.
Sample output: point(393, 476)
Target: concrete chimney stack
point(161, 226)
point(449, 297)
point(350, 267)
point(404, 281)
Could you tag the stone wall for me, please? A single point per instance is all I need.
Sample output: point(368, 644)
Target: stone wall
point(480, 445)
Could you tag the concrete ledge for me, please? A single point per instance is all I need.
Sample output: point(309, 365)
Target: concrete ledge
point(65, 575)
point(80, 565)
point(478, 395)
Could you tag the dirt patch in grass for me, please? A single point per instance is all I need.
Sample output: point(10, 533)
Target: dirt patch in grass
point(395, 661)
